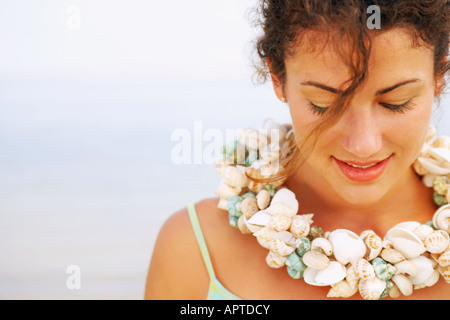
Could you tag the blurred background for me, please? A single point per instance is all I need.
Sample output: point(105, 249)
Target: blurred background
point(92, 96)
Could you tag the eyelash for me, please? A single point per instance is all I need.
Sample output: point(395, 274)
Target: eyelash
point(402, 108)
point(316, 109)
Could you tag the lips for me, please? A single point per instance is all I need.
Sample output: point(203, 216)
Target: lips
point(362, 171)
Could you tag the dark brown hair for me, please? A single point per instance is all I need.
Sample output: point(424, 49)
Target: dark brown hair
point(284, 22)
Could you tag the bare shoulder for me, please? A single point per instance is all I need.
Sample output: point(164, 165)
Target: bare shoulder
point(177, 269)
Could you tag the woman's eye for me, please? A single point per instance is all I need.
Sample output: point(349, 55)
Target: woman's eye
point(401, 108)
point(316, 109)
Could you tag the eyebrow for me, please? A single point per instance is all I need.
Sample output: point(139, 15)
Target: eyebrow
point(383, 91)
point(378, 93)
point(320, 86)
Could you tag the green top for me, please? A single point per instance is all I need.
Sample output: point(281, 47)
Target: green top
point(216, 289)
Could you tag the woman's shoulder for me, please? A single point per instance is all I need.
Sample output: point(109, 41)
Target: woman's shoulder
point(177, 269)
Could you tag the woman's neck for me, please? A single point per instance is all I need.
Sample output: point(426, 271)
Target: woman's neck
point(408, 200)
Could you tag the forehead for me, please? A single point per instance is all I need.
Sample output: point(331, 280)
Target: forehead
point(393, 53)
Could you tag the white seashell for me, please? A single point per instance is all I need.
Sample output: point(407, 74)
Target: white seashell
point(274, 260)
point(263, 199)
point(280, 223)
point(235, 177)
point(441, 154)
point(270, 152)
point(347, 246)
point(419, 168)
point(431, 133)
point(261, 219)
point(265, 233)
point(373, 243)
point(300, 226)
point(249, 207)
point(433, 166)
point(445, 273)
point(283, 203)
point(441, 142)
point(252, 138)
point(447, 197)
point(316, 260)
point(224, 191)
point(277, 132)
point(342, 289)
point(407, 225)
point(403, 283)
point(371, 289)
point(437, 241)
point(392, 255)
point(432, 279)
point(280, 247)
point(323, 245)
point(422, 231)
point(242, 226)
point(352, 277)
point(364, 269)
point(222, 204)
point(425, 270)
point(265, 243)
point(286, 237)
point(332, 274)
point(441, 219)
point(405, 241)
point(428, 179)
point(395, 292)
point(444, 258)
point(270, 169)
point(406, 267)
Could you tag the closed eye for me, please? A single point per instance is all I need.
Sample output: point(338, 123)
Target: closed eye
point(316, 109)
point(401, 108)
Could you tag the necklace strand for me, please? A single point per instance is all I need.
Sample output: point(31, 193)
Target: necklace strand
point(411, 255)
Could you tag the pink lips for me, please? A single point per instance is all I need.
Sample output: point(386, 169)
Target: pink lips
point(362, 172)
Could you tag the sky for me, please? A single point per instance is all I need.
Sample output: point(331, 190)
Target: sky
point(97, 39)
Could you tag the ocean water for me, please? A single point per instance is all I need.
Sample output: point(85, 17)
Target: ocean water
point(88, 175)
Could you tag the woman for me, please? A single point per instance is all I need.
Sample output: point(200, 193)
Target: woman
point(360, 100)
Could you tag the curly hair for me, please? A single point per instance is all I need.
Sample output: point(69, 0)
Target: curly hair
point(283, 24)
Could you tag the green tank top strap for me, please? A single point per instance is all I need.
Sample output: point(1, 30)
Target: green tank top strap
point(201, 240)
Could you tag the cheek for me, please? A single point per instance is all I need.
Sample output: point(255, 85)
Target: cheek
point(411, 131)
point(302, 117)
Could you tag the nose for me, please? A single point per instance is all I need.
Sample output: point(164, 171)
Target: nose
point(362, 133)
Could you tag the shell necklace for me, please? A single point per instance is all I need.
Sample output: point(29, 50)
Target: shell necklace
point(411, 256)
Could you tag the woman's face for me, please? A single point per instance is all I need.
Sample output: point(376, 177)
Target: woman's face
point(370, 149)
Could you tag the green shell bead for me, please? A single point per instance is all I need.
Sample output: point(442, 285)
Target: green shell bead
point(248, 195)
point(385, 293)
point(233, 206)
point(440, 185)
point(303, 246)
point(252, 156)
point(228, 151)
point(315, 232)
point(295, 262)
point(294, 273)
point(271, 189)
point(383, 269)
point(233, 220)
point(439, 200)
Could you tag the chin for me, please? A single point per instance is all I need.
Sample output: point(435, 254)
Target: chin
point(361, 195)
